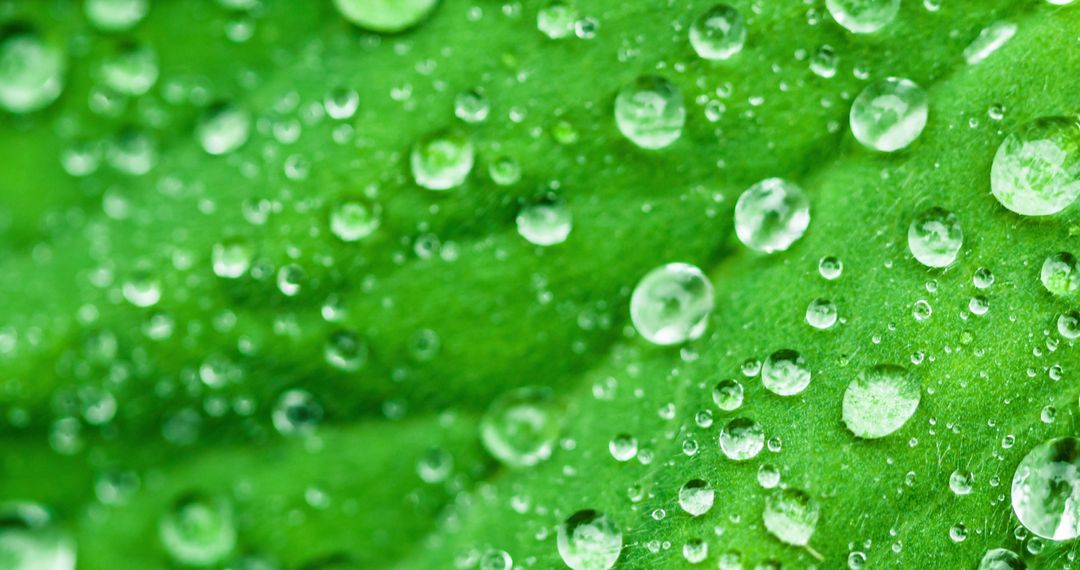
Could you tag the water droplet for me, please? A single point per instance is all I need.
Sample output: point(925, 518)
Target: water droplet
point(1068, 325)
point(442, 161)
point(671, 304)
point(718, 33)
point(296, 412)
point(785, 373)
point(856, 561)
point(341, 103)
point(346, 350)
point(889, 114)
point(435, 465)
point(961, 482)
point(1036, 171)
point(768, 476)
point(830, 268)
point(990, 39)
point(1044, 489)
point(728, 395)
point(289, 279)
point(921, 310)
point(821, 314)
point(958, 533)
point(385, 16)
point(198, 530)
point(1060, 274)
point(742, 439)
point(824, 62)
point(1001, 559)
point(231, 258)
point(471, 106)
point(863, 16)
point(589, 540)
point(223, 128)
point(354, 219)
point(545, 223)
point(695, 550)
point(556, 20)
point(696, 497)
point(520, 426)
point(131, 71)
point(771, 215)
point(791, 515)
point(115, 15)
point(983, 278)
point(496, 560)
point(30, 541)
point(504, 171)
point(142, 290)
point(935, 237)
point(880, 401)
point(31, 73)
point(623, 447)
point(650, 112)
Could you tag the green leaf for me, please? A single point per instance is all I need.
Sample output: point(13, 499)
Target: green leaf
point(455, 308)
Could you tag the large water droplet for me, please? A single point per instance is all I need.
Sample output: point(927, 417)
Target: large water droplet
point(442, 160)
point(198, 530)
point(785, 373)
point(1046, 489)
point(31, 73)
point(520, 426)
point(1036, 170)
point(30, 541)
point(589, 540)
point(133, 70)
point(545, 223)
point(385, 16)
point(556, 20)
point(889, 114)
point(718, 33)
point(650, 112)
point(990, 39)
point(696, 497)
point(1001, 559)
point(728, 395)
point(115, 15)
point(935, 237)
point(771, 215)
point(791, 515)
point(863, 16)
point(742, 439)
point(880, 401)
point(821, 314)
point(1060, 274)
point(223, 128)
point(671, 304)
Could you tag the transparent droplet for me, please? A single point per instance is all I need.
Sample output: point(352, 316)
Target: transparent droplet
point(791, 515)
point(1068, 325)
point(435, 466)
point(504, 171)
point(821, 314)
point(198, 530)
point(889, 114)
point(1036, 171)
point(958, 533)
point(383, 16)
point(1045, 489)
point(29, 540)
point(921, 310)
point(297, 412)
point(824, 62)
point(589, 540)
point(696, 497)
point(742, 439)
point(346, 350)
point(133, 70)
point(115, 15)
point(354, 219)
point(983, 278)
point(31, 73)
point(1060, 274)
point(785, 373)
point(695, 550)
point(556, 20)
point(289, 279)
point(718, 33)
point(495, 560)
point(863, 16)
point(989, 40)
point(545, 223)
point(768, 476)
point(650, 112)
point(671, 304)
point(830, 268)
point(223, 128)
point(471, 106)
point(623, 447)
point(771, 215)
point(442, 161)
point(142, 290)
point(961, 482)
point(1001, 559)
point(520, 427)
point(231, 258)
point(728, 395)
point(935, 237)
point(341, 103)
point(880, 401)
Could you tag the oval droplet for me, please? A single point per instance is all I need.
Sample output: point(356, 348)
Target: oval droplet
point(198, 530)
point(442, 161)
point(385, 16)
point(671, 304)
point(785, 373)
point(589, 540)
point(863, 16)
point(791, 515)
point(1036, 171)
point(519, 428)
point(1044, 489)
point(771, 215)
point(935, 237)
point(31, 73)
point(718, 33)
point(889, 114)
point(742, 439)
point(880, 401)
point(650, 112)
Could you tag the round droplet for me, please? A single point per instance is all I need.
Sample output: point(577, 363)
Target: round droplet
point(142, 290)
point(495, 560)
point(471, 106)
point(385, 16)
point(650, 112)
point(556, 20)
point(791, 515)
point(695, 550)
point(671, 304)
point(696, 497)
point(341, 103)
point(1046, 489)
point(1068, 325)
point(131, 71)
point(935, 237)
point(198, 530)
point(863, 16)
point(768, 476)
point(589, 540)
point(504, 171)
point(297, 412)
point(1036, 171)
point(231, 258)
point(889, 114)
point(223, 129)
point(435, 465)
point(785, 373)
point(30, 541)
point(880, 401)
point(1001, 559)
point(442, 160)
point(623, 447)
point(289, 279)
point(115, 15)
point(728, 395)
point(355, 219)
point(545, 223)
point(983, 278)
point(921, 310)
point(520, 426)
point(961, 482)
point(1060, 274)
point(742, 439)
point(771, 215)
point(821, 314)
point(346, 350)
point(718, 33)
point(830, 268)
point(31, 73)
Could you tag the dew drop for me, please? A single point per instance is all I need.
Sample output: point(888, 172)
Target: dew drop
point(296, 412)
point(830, 268)
point(383, 16)
point(989, 40)
point(1060, 274)
point(771, 215)
point(131, 71)
point(961, 482)
point(623, 447)
point(718, 33)
point(231, 258)
point(728, 395)
point(341, 103)
point(1036, 171)
point(556, 20)
point(471, 106)
point(545, 223)
point(198, 530)
point(889, 114)
point(742, 439)
point(935, 237)
point(520, 427)
point(442, 161)
point(223, 128)
point(31, 73)
point(785, 373)
point(1044, 489)
point(880, 401)
point(589, 540)
point(671, 304)
point(115, 15)
point(346, 350)
point(1001, 559)
point(863, 16)
point(1068, 325)
point(650, 112)
point(30, 541)
point(791, 515)
point(354, 219)
point(821, 314)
